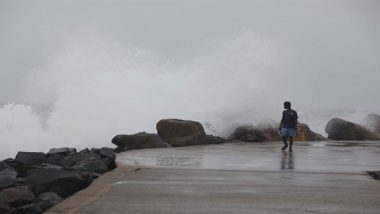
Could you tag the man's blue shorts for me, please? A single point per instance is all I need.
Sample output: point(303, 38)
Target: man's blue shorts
point(285, 132)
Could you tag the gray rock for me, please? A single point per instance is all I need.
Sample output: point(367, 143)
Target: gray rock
point(211, 139)
point(91, 164)
point(63, 182)
point(141, 140)
point(7, 177)
point(32, 208)
point(338, 129)
point(84, 151)
point(30, 157)
point(107, 155)
point(121, 149)
point(62, 151)
point(248, 134)
point(3, 165)
point(72, 159)
point(181, 132)
point(48, 199)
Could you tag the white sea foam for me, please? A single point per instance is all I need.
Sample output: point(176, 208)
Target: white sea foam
point(98, 88)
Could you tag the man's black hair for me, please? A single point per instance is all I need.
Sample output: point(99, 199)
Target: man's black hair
point(287, 104)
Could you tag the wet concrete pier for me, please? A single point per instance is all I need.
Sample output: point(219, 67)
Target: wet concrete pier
point(319, 177)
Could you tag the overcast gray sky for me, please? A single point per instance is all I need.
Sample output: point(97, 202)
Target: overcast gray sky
point(341, 37)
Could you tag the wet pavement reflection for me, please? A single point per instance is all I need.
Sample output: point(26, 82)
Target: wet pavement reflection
point(287, 160)
point(337, 157)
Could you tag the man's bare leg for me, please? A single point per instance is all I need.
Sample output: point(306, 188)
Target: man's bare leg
point(284, 139)
point(291, 143)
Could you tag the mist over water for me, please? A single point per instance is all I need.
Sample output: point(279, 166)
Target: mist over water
point(96, 85)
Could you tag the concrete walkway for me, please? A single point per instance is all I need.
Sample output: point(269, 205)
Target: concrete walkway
point(237, 178)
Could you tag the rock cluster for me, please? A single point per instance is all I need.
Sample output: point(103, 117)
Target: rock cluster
point(170, 133)
point(269, 132)
point(33, 182)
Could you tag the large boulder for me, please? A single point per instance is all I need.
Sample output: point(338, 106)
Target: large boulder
point(7, 175)
point(30, 157)
point(63, 182)
point(339, 129)
point(304, 133)
point(181, 132)
point(248, 134)
point(141, 140)
point(372, 122)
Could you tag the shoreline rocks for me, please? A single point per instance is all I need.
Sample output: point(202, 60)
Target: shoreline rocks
point(339, 129)
point(181, 132)
point(34, 181)
point(268, 133)
point(141, 140)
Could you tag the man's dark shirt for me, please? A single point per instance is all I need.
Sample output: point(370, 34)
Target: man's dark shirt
point(289, 119)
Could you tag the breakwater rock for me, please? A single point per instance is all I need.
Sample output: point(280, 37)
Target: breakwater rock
point(269, 132)
point(33, 182)
point(339, 129)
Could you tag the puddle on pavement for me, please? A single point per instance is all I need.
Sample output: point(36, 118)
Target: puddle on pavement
point(263, 157)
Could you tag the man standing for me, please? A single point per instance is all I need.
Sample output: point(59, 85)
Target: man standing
point(288, 125)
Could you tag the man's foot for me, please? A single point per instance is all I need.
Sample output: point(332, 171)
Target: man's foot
point(290, 150)
point(283, 148)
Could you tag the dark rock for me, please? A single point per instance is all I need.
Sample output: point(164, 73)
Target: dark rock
point(63, 182)
point(211, 139)
point(4, 208)
point(16, 196)
point(20, 167)
point(48, 199)
point(75, 158)
point(33, 208)
point(56, 159)
point(45, 166)
point(30, 157)
point(181, 132)
point(7, 176)
point(141, 140)
point(3, 165)
point(372, 122)
point(84, 151)
point(20, 181)
point(121, 149)
point(338, 129)
point(91, 164)
point(104, 152)
point(248, 134)
point(304, 133)
point(107, 155)
point(29, 209)
point(62, 151)
point(375, 174)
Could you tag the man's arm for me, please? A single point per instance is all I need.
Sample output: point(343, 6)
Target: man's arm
point(282, 121)
point(296, 119)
